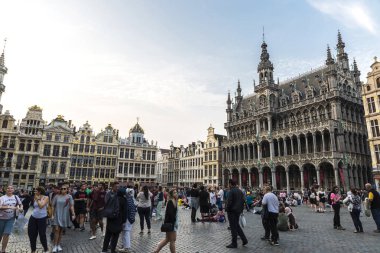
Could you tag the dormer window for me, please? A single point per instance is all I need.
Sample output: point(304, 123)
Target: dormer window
point(283, 102)
point(296, 98)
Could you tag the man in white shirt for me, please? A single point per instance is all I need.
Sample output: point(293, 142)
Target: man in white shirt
point(220, 197)
point(270, 216)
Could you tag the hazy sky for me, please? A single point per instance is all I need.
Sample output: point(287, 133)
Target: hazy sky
point(170, 63)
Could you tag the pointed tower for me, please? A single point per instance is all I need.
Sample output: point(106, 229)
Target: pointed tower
point(342, 57)
point(356, 73)
point(265, 69)
point(3, 71)
point(329, 59)
point(229, 108)
point(239, 97)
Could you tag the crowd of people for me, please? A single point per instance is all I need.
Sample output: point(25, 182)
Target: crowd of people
point(70, 206)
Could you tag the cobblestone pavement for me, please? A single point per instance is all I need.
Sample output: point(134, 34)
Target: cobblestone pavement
point(316, 234)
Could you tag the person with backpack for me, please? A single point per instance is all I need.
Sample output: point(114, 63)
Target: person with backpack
point(335, 199)
point(235, 207)
point(374, 200)
point(10, 206)
point(160, 198)
point(115, 212)
point(144, 205)
point(63, 204)
point(354, 203)
point(128, 225)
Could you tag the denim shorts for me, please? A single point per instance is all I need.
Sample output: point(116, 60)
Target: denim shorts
point(6, 226)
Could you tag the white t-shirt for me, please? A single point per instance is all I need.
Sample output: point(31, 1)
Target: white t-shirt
point(271, 201)
point(212, 198)
point(221, 194)
point(6, 214)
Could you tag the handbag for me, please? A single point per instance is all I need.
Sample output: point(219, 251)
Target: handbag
point(242, 221)
point(167, 227)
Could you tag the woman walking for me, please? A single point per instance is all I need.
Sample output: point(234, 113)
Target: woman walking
point(355, 206)
point(143, 207)
point(62, 205)
point(37, 221)
point(130, 219)
point(170, 218)
point(10, 206)
point(322, 200)
point(335, 200)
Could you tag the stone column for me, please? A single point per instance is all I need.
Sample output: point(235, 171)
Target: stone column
point(307, 144)
point(269, 123)
point(249, 179)
point(292, 146)
point(279, 147)
point(249, 152)
point(333, 144)
point(318, 176)
point(260, 178)
point(258, 127)
point(336, 174)
point(239, 178)
point(323, 143)
point(259, 151)
point(285, 148)
point(314, 143)
point(274, 183)
point(302, 182)
point(271, 148)
point(299, 144)
point(287, 181)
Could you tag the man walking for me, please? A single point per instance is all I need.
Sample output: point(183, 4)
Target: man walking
point(194, 204)
point(270, 217)
point(95, 206)
point(374, 199)
point(234, 207)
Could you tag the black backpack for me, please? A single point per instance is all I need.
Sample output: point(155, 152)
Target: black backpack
point(329, 198)
point(111, 209)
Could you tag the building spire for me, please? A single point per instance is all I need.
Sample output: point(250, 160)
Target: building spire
point(263, 34)
point(238, 89)
point(2, 57)
point(329, 59)
point(340, 43)
point(229, 98)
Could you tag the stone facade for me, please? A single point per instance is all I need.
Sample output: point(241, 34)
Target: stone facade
point(304, 131)
point(371, 100)
point(36, 153)
point(137, 160)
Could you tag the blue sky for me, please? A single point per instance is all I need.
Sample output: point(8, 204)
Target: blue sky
point(170, 63)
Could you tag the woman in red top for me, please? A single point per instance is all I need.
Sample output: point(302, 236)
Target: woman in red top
point(335, 200)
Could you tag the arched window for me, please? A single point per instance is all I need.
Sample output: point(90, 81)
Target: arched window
point(378, 82)
point(5, 124)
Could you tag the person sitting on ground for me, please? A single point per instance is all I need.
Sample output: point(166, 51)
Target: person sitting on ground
point(220, 216)
point(249, 201)
point(292, 220)
point(282, 224)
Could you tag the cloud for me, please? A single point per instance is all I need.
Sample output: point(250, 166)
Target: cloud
point(348, 12)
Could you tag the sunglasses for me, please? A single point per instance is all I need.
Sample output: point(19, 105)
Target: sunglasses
point(63, 188)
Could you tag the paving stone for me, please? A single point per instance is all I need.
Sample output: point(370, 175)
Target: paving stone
point(316, 234)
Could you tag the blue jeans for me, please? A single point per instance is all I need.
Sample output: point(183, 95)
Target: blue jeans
point(376, 217)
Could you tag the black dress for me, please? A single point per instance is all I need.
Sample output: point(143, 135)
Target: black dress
point(204, 201)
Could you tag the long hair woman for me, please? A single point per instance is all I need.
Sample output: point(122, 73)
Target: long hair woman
point(144, 204)
point(62, 205)
point(172, 218)
point(37, 221)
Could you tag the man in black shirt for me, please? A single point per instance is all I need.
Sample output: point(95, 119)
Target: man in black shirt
point(194, 203)
point(80, 203)
point(235, 207)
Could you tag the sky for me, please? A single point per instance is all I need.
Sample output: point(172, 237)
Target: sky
point(169, 63)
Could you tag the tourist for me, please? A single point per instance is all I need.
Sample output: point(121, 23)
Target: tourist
point(335, 202)
point(322, 200)
point(291, 219)
point(313, 199)
point(270, 216)
point(374, 199)
point(128, 225)
point(220, 197)
point(204, 202)
point(80, 202)
point(171, 217)
point(26, 200)
point(10, 207)
point(354, 207)
point(160, 202)
point(95, 206)
point(37, 221)
point(116, 216)
point(62, 205)
point(194, 203)
point(234, 208)
point(144, 205)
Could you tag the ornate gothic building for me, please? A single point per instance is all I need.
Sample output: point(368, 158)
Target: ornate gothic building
point(308, 130)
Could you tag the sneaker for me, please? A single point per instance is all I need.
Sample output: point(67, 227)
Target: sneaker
point(82, 229)
point(55, 249)
point(59, 248)
point(141, 232)
point(93, 237)
point(341, 228)
point(148, 231)
point(265, 238)
point(275, 243)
